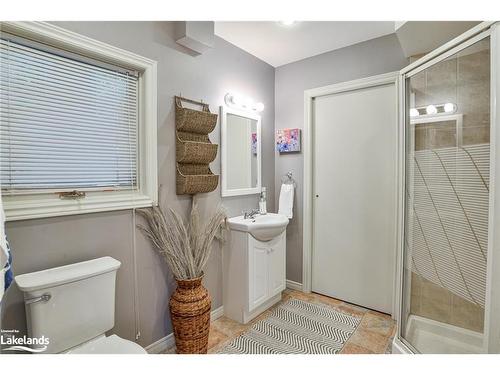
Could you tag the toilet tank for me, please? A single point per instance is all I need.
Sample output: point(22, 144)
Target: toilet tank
point(70, 304)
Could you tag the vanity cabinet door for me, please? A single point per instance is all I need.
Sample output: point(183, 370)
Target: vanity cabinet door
point(258, 274)
point(277, 267)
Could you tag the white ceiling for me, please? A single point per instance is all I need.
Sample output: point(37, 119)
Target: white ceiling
point(416, 37)
point(278, 45)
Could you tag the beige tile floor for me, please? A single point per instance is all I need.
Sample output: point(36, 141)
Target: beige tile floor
point(373, 335)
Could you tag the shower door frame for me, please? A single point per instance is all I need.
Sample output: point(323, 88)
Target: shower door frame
point(491, 332)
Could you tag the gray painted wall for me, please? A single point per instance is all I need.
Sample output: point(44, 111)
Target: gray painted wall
point(365, 59)
point(43, 243)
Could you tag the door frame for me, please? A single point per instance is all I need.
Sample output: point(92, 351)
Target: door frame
point(307, 147)
point(482, 30)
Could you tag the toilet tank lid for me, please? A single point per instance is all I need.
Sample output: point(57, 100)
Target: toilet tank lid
point(44, 279)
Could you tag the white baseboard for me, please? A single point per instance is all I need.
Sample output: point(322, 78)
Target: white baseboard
point(217, 313)
point(161, 345)
point(168, 341)
point(294, 285)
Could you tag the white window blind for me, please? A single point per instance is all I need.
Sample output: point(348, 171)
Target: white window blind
point(65, 124)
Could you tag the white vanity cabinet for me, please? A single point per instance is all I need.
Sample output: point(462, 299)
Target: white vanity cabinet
point(253, 273)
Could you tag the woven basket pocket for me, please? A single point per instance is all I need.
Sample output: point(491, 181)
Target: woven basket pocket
point(194, 148)
point(192, 120)
point(195, 178)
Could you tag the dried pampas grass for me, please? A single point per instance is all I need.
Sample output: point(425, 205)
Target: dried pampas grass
point(185, 247)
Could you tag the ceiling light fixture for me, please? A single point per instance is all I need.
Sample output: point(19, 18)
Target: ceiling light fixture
point(287, 23)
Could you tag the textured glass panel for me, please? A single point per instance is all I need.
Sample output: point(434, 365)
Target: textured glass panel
point(447, 200)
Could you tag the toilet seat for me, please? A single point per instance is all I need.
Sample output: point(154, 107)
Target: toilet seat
point(108, 345)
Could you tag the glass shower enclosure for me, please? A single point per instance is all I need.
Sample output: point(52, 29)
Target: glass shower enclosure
point(447, 192)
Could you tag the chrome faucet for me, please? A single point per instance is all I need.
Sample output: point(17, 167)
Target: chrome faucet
point(250, 214)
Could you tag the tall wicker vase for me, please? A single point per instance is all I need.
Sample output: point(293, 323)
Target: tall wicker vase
point(190, 313)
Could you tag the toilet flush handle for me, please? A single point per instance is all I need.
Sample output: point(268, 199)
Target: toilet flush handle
point(43, 298)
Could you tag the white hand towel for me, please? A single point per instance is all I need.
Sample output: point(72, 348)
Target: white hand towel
point(286, 200)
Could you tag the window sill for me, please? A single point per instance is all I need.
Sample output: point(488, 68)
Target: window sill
point(23, 208)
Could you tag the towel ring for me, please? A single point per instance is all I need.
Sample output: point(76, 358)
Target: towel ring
point(288, 180)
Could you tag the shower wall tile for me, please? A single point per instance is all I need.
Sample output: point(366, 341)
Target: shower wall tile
point(434, 302)
point(466, 314)
point(473, 99)
point(473, 87)
point(416, 283)
point(441, 82)
point(476, 134)
point(435, 135)
point(418, 88)
point(416, 295)
point(472, 66)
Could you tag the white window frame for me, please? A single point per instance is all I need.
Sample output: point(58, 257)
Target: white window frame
point(38, 205)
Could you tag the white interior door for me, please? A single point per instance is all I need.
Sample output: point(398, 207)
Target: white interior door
point(354, 187)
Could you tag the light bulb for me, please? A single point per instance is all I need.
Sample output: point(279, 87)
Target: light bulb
point(247, 103)
point(449, 107)
point(228, 98)
point(414, 112)
point(259, 107)
point(431, 109)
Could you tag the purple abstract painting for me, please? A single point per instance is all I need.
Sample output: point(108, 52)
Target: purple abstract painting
point(288, 140)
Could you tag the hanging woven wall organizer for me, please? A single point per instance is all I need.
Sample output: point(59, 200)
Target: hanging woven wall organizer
point(194, 151)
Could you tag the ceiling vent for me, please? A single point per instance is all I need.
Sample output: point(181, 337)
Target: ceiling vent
point(198, 36)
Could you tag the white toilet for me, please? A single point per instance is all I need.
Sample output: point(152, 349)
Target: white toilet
point(73, 306)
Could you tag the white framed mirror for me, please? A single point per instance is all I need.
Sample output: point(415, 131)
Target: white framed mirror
point(240, 152)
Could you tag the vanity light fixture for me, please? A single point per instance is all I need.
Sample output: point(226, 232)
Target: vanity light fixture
point(242, 102)
point(434, 109)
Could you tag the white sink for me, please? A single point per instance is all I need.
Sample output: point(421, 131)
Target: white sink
point(262, 227)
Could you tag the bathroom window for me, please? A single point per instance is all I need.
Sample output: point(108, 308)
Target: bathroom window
point(77, 130)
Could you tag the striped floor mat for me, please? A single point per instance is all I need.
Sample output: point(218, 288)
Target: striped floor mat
point(296, 327)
